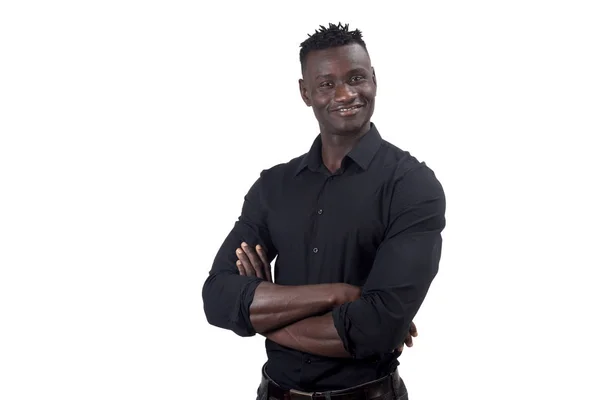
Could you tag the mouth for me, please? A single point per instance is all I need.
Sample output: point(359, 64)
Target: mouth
point(348, 111)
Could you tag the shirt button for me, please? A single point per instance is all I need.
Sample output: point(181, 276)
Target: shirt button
point(308, 361)
point(320, 211)
point(315, 250)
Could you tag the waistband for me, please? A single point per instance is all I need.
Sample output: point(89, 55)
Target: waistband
point(391, 383)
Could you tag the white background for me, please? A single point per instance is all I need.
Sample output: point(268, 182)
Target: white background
point(130, 132)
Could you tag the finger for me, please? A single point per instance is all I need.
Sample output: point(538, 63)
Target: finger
point(413, 330)
point(263, 257)
point(246, 264)
point(240, 267)
point(408, 341)
point(401, 348)
point(254, 260)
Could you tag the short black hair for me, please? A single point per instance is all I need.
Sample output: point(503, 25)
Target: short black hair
point(326, 38)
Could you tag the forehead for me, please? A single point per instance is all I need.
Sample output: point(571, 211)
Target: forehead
point(337, 60)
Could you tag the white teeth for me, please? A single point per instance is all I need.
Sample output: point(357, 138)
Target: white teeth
point(348, 109)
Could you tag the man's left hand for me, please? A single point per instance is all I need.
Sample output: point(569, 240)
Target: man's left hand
point(253, 262)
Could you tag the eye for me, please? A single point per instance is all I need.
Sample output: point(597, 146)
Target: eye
point(357, 78)
point(325, 84)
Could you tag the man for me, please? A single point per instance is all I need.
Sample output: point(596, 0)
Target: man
point(355, 225)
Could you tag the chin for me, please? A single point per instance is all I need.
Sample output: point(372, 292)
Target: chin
point(348, 127)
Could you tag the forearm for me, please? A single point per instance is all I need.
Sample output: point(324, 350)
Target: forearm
point(314, 335)
point(275, 306)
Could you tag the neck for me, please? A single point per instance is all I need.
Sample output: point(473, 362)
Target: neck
point(335, 147)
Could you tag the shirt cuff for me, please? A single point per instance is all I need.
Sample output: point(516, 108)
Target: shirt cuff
point(240, 316)
point(342, 324)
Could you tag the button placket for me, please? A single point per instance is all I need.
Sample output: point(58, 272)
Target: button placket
point(319, 211)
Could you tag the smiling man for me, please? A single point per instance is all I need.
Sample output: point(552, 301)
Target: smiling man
point(355, 224)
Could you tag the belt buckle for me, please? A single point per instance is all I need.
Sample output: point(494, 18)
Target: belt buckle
point(298, 395)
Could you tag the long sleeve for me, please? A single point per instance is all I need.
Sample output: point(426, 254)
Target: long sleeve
point(226, 294)
point(404, 267)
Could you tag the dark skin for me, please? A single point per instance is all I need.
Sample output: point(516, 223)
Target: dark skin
point(315, 334)
point(276, 306)
point(335, 80)
point(340, 85)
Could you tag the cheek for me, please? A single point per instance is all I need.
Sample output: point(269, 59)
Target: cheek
point(320, 100)
point(370, 93)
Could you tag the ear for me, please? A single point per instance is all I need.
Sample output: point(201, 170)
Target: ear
point(374, 77)
point(304, 92)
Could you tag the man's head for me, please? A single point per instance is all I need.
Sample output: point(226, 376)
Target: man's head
point(338, 81)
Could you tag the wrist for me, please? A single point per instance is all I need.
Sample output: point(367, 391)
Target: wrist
point(334, 295)
point(342, 293)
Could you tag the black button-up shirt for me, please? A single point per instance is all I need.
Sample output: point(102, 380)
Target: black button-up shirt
point(375, 223)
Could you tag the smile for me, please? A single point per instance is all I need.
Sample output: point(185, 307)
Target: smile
point(349, 108)
point(348, 111)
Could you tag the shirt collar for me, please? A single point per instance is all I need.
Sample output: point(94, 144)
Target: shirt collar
point(362, 154)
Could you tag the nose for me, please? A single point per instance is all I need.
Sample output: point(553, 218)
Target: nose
point(344, 94)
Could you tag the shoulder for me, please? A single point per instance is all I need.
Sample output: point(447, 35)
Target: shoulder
point(283, 170)
point(409, 174)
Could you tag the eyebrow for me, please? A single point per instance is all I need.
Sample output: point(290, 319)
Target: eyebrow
point(358, 70)
point(326, 76)
point(353, 71)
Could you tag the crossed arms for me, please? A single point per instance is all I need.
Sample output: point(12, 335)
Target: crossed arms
point(334, 320)
point(293, 316)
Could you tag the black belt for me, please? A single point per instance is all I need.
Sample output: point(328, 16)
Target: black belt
point(390, 384)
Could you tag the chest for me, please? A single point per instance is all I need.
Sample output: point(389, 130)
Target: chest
point(328, 228)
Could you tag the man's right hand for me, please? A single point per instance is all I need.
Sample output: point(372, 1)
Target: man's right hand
point(412, 332)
